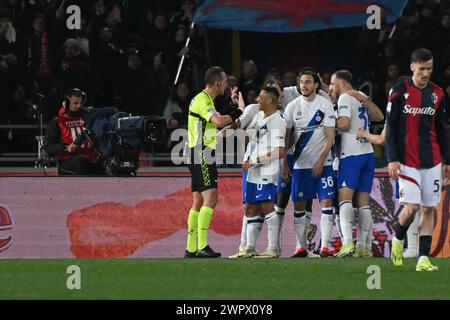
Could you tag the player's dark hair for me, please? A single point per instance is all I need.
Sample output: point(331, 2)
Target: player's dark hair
point(344, 75)
point(306, 69)
point(312, 74)
point(213, 74)
point(421, 55)
point(273, 92)
point(272, 82)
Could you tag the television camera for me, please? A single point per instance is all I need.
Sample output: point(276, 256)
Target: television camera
point(119, 138)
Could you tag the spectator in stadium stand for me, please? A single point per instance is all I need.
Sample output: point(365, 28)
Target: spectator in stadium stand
point(104, 59)
point(161, 82)
point(251, 95)
point(274, 73)
point(249, 75)
point(193, 61)
point(12, 9)
point(387, 79)
point(73, 157)
point(158, 35)
point(185, 16)
point(177, 107)
point(107, 16)
point(74, 70)
point(289, 78)
point(114, 21)
point(406, 38)
point(7, 36)
point(132, 85)
point(39, 50)
point(422, 8)
point(393, 72)
point(134, 16)
point(369, 44)
point(9, 83)
point(249, 79)
point(42, 7)
point(441, 37)
point(81, 36)
point(175, 49)
point(387, 56)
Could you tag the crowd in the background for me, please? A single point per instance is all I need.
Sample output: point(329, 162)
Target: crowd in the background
point(127, 54)
point(385, 60)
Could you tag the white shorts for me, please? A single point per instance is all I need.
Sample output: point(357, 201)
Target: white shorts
point(420, 186)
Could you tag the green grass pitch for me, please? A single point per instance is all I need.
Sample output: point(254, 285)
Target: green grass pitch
point(203, 279)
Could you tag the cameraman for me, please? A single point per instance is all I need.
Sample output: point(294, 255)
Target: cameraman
point(65, 138)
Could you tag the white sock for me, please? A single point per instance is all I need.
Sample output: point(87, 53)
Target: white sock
point(413, 232)
point(326, 226)
point(273, 227)
point(369, 237)
point(346, 216)
point(300, 227)
point(254, 226)
point(280, 212)
point(364, 223)
point(308, 216)
point(244, 232)
point(338, 227)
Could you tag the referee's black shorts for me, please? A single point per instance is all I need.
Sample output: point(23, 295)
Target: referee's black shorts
point(203, 169)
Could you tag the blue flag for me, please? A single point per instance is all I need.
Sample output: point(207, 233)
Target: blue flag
point(291, 15)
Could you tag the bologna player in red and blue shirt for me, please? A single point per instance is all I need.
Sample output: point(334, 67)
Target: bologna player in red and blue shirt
point(417, 146)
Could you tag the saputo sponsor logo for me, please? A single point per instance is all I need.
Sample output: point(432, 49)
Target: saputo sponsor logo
point(430, 111)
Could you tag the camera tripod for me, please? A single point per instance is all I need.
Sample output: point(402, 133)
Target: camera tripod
point(42, 160)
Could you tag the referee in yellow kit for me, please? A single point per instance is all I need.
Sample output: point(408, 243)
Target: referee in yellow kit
point(202, 126)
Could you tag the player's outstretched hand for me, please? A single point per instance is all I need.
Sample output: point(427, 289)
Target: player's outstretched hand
point(394, 170)
point(234, 95)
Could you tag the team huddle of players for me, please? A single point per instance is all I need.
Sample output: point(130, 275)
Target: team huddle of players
point(307, 144)
point(292, 151)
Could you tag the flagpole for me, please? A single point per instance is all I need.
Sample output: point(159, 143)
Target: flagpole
point(183, 56)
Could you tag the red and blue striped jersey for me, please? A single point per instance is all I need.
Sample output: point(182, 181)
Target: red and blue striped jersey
point(416, 125)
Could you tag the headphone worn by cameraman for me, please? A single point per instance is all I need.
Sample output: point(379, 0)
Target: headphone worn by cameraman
point(74, 92)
